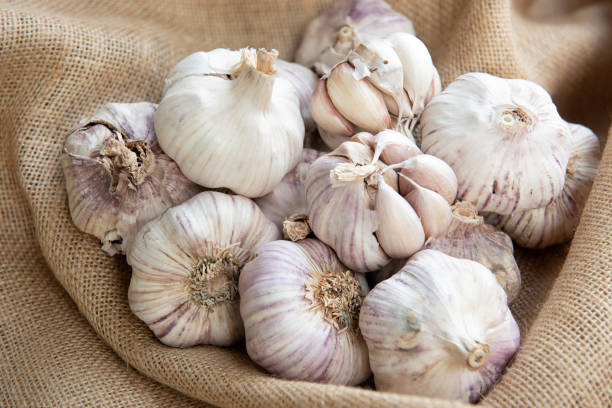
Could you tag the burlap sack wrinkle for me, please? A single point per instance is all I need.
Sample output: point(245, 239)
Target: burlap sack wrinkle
point(67, 335)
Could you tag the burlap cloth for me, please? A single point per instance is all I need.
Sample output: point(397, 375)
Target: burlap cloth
point(67, 335)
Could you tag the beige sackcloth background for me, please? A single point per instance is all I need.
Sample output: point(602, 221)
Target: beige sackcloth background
point(67, 335)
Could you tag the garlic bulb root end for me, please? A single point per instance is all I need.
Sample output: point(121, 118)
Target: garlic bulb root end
point(295, 227)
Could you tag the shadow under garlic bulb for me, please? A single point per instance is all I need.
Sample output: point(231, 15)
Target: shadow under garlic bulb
point(186, 265)
point(440, 327)
point(300, 308)
point(117, 176)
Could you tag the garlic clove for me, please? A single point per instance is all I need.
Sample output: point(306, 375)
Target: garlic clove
point(469, 237)
point(433, 210)
point(117, 177)
point(328, 119)
point(185, 268)
point(438, 328)
point(399, 232)
point(503, 138)
point(300, 308)
point(555, 223)
point(418, 69)
point(404, 104)
point(393, 147)
point(357, 100)
point(430, 172)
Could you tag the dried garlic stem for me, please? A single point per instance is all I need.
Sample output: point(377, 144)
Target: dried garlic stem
point(295, 227)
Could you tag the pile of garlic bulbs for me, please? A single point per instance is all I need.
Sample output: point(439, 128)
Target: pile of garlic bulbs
point(387, 266)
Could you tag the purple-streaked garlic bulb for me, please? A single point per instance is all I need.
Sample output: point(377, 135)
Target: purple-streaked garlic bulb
point(300, 308)
point(556, 222)
point(469, 237)
point(286, 205)
point(354, 205)
point(440, 327)
point(117, 176)
point(186, 264)
point(385, 83)
point(343, 26)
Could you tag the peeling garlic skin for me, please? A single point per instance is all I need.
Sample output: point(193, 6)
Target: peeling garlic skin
point(503, 138)
point(289, 197)
point(117, 177)
point(439, 328)
point(186, 264)
point(556, 222)
point(300, 308)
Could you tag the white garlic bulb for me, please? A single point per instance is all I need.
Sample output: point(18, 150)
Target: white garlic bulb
point(384, 83)
point(469, 237)
point(300, 308)
point(344, 25)
point(555, 223)
point(439, 328)
point(288, 199)
point(503, 138)
point(354, 205)
point(241, 131)
point(186, 264)
point(117, 177)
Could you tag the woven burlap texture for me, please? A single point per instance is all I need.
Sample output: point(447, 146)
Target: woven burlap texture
point(67, 335)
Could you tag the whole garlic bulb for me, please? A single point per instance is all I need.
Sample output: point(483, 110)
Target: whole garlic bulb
point(503, 138)
point(288, 199)
point(439, 328)
point(469, 237)
point(344, 25)
point(300, 308)
point(117, 177)
point(354, 207)
point(556, 222)
point(385, 83)
point(241, 131)
point(186, 264)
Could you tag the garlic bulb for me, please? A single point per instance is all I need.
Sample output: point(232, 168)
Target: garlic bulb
point(555, 223)
point(439, 328)
point(117, 177)
point(503, 138)
point(342, 27)
point(186, 264)
point(469, 237)
point(384, 83)
point(288, 199)
point(300, 308)
point(354, 205)
point(241, 130)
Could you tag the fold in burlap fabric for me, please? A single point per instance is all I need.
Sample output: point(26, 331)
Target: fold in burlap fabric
point(61, 60)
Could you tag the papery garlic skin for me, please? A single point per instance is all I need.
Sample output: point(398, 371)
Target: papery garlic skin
point(439, 328)
point(117, 177)
point(503, 138)
point(469, 237)
point(300, 308)
point(289, 196)
point(185, 268)
point(243, 132)
point(366, 19)
point(556, 222)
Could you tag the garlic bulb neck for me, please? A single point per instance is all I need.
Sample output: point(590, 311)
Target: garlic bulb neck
point(295, 227)
point(467, 213)
point(255, 80)
point(516, 117)
point(214, 279)
point(338, 296)
point(345, 42)
point(128, 163)
point(478, 356)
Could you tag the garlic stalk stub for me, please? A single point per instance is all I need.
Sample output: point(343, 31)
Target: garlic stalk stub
point(503, 138)
point(241, 130)
point(186, 265)
point(439, 328)
point(300, 308)
point(342, 28)
point(556, 222)
point(117, 177)
point(469, 237)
